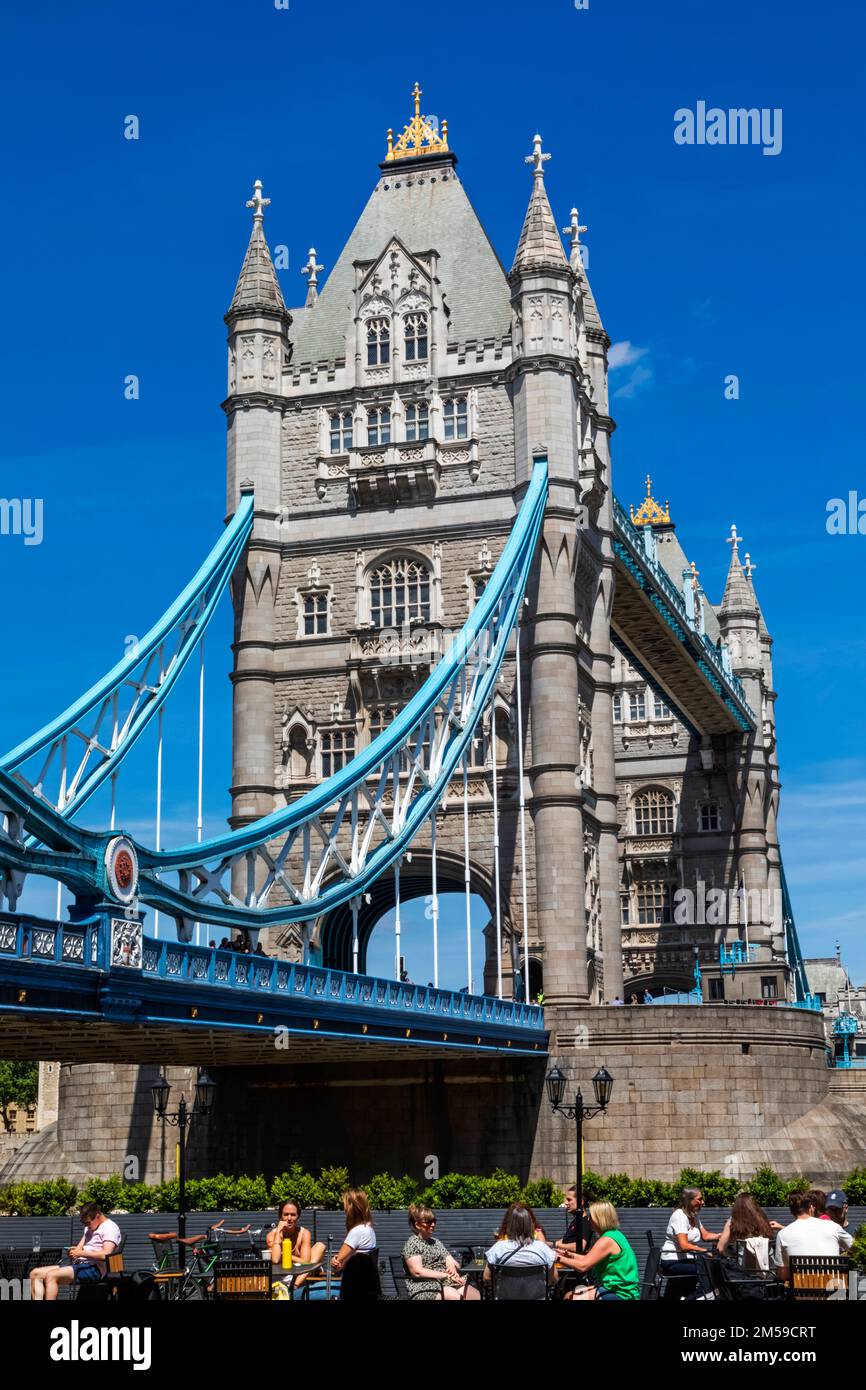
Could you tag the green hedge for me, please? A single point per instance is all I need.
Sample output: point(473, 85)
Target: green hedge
point(388, 1193)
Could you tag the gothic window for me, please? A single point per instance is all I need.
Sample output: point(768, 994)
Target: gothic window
point(338, 748)
point(299, 750)
point(415, 327)
point(653, 901)
point(617, 709)
point(378, 342)
point(399, 592)
point(637, 706)
point(383, 715)
point(341, 433)
point(479, 749)
point(456, 418)
point(660, 709)
point(624, 909)
point(709, 816)
point(653, 813)
point(479, 584)
point(417, 422)
point(315, 614)
point(379, 427)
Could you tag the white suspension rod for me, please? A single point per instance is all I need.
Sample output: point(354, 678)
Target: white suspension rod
point(158, 803)
point(522, 823)
point(355, 935)
point(467, 878)
point(435, 903)
point(113, 799)
point(496, 852)
point(397, 925)
point(199, 825)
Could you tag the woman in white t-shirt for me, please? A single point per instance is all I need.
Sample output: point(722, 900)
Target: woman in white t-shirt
point(360, 1232)
point(683, 1234)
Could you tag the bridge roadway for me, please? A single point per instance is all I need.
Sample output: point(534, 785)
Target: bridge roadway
point(103, 991)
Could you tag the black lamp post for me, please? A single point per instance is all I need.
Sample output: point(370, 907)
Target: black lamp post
point(602, 1085)
point(204, 1094)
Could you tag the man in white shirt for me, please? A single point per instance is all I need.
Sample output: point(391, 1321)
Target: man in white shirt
point(89, 1257)
point(807, 1235)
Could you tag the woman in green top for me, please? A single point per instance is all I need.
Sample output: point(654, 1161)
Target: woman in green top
point(611, 1258)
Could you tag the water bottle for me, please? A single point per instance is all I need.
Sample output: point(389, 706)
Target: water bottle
point(287, 1253)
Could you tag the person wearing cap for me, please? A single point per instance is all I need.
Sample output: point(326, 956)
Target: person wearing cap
point(836, 1210)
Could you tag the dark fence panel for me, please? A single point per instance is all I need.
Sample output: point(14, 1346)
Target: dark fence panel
point(455, 1228)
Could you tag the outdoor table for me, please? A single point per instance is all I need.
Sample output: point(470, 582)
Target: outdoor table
point(299, 1267)
point(473, 1271)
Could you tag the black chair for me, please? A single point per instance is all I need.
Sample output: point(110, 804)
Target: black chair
point(360, 1282)
point(520, 1283)
point(649, 1287)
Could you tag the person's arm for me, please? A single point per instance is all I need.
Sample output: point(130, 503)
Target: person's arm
point(603, 1247)
point(708, 1236)
point(417, 1269)
point(724, 1238)
point(305, 1245)
point(345, 1252)
point(275, 1241)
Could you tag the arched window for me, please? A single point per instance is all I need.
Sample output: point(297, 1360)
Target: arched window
point(341, 432)
point(379, 426)
point(338, 748)
point(455, 415)
point(415, 328)
point(378, 342)
point(399, 592)
point(653, 813)
point(417, 422)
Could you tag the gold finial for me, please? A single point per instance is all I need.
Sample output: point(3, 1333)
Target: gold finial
point(650, 512)
point(420, 137)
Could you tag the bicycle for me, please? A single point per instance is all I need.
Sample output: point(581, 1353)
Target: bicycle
point(194, 1280)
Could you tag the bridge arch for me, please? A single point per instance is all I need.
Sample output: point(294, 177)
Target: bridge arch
point(332, 934)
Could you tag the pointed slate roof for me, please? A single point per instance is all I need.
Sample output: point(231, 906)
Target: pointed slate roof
point(426, 207)
point(258, 286)
point(539, 243)
point(739, 596)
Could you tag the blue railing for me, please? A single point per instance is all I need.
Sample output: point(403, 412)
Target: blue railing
point(737, 953)
point(60, 943)
point(673, 608)
point(200, 965)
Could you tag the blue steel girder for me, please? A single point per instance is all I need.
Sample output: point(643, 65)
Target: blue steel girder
point(325, 848)
point(641, 570)
point(65, 762)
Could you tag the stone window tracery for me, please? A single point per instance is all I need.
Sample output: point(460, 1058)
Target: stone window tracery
point(337, 748)
point(653, 898)
point(379, 426)
point(415, 337)
point(399, 592)
point(653, 813)
point(341, 432)
point(455, 417)
point(378, 342)
point(417, 422)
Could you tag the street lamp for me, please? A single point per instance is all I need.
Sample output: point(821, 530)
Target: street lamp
point(602, 1085)
point(204, 1094)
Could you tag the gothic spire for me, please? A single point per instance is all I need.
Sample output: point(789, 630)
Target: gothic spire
point(258, 286)
point(539, 243)
point(739, 596)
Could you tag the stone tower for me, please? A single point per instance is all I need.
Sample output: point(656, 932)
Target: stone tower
point(388, 426)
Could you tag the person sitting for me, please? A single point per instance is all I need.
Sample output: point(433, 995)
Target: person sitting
point(537, 1229)
point(837, 1212)
point(807, 1234)
point(360, 1233)
point(748, 1222)
point(89, 1257)
point(612, 1260)
point(519, 1249)
point(683, 1233)
point(289, 1228)
point(431, 1270)
point(579, 1227)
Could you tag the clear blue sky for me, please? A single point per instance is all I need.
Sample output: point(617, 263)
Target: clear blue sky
point(120, 257)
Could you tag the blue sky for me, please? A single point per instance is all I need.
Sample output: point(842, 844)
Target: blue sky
point(120, 257)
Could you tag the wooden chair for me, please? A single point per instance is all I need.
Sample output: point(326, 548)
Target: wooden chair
point(815, 1277)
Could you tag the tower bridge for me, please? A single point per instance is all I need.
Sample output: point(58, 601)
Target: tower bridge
point(422, 447)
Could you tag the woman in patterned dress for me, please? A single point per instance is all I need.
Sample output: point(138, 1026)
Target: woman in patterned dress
point(431, 1271)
